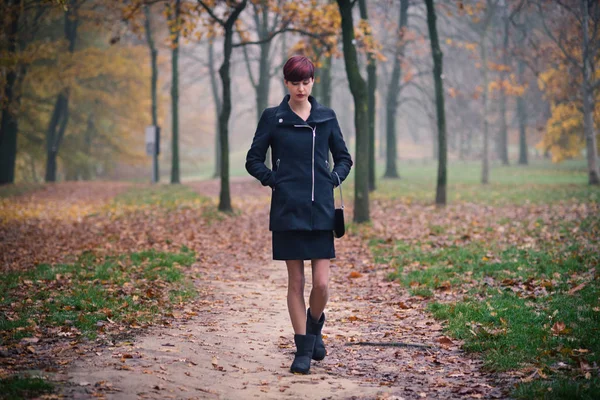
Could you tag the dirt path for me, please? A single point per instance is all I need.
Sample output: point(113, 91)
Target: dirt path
point(238, 347)
point(239, 343)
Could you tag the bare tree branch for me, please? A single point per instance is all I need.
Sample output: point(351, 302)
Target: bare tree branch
point(558, 42)
point(211, 13)
point(277, 32)
point(248, 66)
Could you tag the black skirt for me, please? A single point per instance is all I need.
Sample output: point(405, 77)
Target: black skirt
point(303, 245)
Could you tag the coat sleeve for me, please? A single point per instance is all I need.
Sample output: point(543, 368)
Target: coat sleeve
point(255, 159)
point(342, 161)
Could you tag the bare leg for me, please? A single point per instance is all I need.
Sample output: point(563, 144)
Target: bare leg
point(320, 287)
point(295, 295)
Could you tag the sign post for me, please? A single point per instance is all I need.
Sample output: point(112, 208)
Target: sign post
point(153, 148)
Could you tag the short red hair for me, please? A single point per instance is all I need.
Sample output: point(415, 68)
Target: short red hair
point(298, 68)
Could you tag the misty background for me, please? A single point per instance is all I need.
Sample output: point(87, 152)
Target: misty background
point(507, 70)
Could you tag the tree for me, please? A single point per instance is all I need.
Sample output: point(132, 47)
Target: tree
point(391, 170)
point(9, 128)
point(480, 20)
point(154, 79)
point(436, 53)
point(22, 22)
point(521, 105)
point(574, 36)
point(60, 116)
point(218, 103)
point(227, 23)
point(358, 87)
point(502, 142)
point(174, 24)
point(371, 87)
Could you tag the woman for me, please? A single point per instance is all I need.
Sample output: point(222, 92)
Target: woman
point(301, 132)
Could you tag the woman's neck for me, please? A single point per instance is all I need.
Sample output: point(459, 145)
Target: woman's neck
point(303, 105)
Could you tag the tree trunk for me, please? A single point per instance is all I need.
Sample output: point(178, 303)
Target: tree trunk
point(60, 114)
point(217, 100)
point(485, 151)
point(55, 133)
point(588, 100)
point(264, 65)
point(522, 116)
point(503, 133)
point(440, 196)
point(284, 50)
point(154, 78)
point(323, 87)
point(391, 170)
point(323, 92)
point(9, 126)
point(371, 87)
point(224, 195)
point(34, 177)
point(264, 71)
point(175, 96)
point(86, 168)
point(358, 87)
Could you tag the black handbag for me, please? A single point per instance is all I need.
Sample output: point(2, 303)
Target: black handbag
point(339, 227)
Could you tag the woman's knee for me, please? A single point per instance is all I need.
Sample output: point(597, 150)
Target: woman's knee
point(320, 286)
point(320, 276)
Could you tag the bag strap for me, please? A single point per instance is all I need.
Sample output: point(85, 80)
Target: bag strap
point(340, 186)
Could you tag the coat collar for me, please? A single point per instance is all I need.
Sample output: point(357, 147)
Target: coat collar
point(318, 113)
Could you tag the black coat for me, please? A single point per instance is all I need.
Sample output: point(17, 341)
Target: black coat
point(302, 182)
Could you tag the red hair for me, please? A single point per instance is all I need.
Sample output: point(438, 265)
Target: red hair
point(298, 68)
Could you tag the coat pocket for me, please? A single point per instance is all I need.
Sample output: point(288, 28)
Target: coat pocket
point(276, 170)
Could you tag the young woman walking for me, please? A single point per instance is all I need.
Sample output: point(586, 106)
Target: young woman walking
point(301, 133)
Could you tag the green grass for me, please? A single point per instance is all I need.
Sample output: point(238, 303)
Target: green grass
point(559, 389)
point(19, 189)
point(134, 288)
point(540, 182)
point(512, 304)
point(162, 195)
point(517, 297)
point(460, 264)
point(169, 197)
point(23, 387)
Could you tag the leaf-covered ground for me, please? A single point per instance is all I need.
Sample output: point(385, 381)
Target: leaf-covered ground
point(194, 307)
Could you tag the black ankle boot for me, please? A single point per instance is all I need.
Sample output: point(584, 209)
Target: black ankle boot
point(304, 351)
point(314, 328)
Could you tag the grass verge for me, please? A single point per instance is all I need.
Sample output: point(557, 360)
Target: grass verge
point(166, 197)
point(539, 182)
point(18, 189)
point(532, 310)
point(23, 387)
point(93, 295)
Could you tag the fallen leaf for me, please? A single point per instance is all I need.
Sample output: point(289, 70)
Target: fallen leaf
point(577, 288)
point(558, 328)
point(445, 341)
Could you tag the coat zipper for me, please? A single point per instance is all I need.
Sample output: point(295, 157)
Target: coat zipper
point(314, 132)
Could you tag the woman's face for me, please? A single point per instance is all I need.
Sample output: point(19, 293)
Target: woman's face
point(299, 91)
